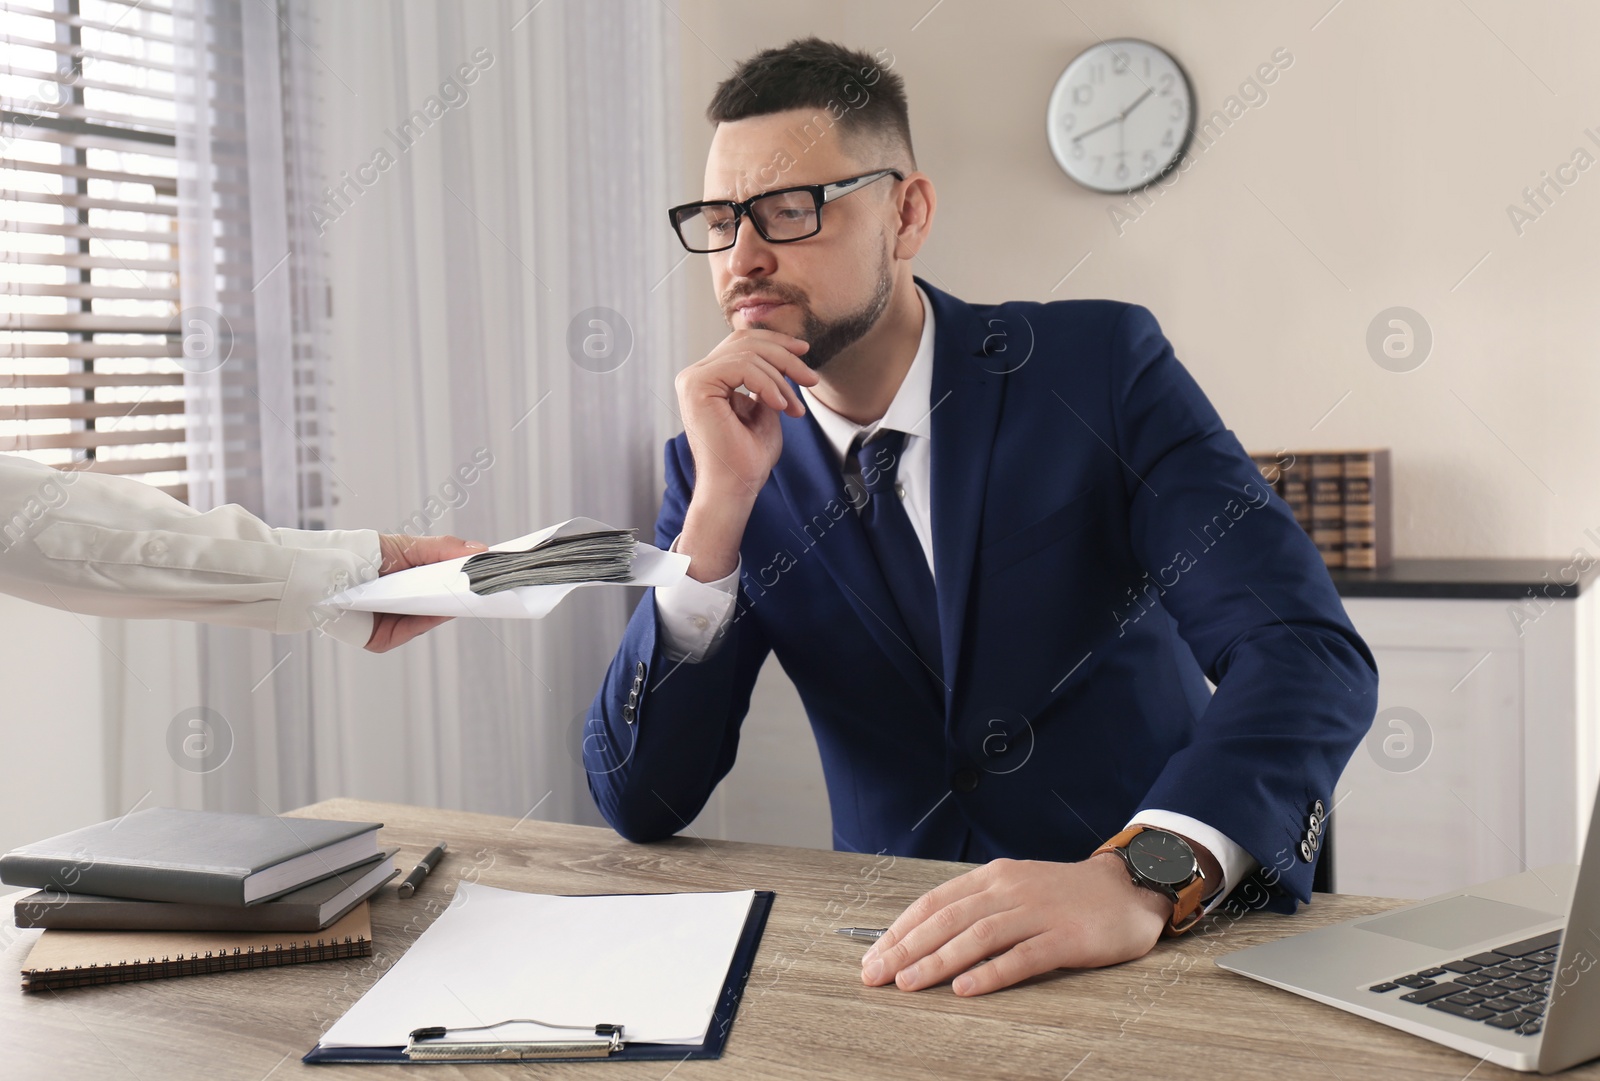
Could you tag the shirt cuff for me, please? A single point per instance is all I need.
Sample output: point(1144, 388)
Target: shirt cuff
point(691, 615)
point(325, 565)
point(1236, 863)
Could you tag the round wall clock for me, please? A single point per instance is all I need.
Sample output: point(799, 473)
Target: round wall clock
point(1120, 116)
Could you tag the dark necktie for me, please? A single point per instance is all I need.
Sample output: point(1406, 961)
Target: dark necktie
point(895, 544)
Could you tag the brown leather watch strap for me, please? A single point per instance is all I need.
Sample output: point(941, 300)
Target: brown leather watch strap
point(1186, 913)
point(1186, 909)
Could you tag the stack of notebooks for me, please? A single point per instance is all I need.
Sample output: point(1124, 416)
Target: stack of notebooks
point(166, 892)
point(1341, 498)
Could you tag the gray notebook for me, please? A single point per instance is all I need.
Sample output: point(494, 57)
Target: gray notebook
point(192, 857)
point(309, 908)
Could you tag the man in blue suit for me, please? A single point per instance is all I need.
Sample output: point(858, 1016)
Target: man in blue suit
point(999, 549)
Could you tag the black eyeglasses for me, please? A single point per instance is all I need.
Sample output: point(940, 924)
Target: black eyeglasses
point(781, 216)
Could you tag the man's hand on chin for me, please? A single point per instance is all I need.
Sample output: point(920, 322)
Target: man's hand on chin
point(1029, 916)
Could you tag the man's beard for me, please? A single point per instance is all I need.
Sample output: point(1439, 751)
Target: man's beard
point(831, 337)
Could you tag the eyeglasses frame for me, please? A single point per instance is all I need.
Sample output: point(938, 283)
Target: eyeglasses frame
point(821, 195)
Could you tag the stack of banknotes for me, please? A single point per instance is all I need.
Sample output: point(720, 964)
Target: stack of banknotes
point(600, 556)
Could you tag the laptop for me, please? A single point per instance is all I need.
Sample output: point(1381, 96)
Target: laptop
point(1508, 971)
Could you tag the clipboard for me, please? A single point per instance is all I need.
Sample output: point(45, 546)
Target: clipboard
point(603, 1042)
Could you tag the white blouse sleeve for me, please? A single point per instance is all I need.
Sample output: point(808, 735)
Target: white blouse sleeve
point(106, 545)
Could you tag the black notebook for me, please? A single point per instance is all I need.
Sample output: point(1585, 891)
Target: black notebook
point(192, 857)
point(309, 908)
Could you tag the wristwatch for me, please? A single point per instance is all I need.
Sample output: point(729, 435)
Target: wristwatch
point(1164, 862)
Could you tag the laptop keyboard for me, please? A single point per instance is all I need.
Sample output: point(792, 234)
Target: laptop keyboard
point(1507, 987)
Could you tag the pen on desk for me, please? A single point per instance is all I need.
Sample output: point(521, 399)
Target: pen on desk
point(420, 871)
point(861, 932)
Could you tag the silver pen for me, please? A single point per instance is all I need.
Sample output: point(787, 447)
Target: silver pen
point(861, 932)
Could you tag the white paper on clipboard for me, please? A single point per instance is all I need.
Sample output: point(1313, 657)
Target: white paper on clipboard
point(657, 964)
point(442, 589)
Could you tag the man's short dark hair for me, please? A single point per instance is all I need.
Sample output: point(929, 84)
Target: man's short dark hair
point(853, 89)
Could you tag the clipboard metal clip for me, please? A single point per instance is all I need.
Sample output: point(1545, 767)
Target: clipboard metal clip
point(429, 1045)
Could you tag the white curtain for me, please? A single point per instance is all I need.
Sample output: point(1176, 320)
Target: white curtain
point(473, 331)
point(207, 716)
point(524, 164)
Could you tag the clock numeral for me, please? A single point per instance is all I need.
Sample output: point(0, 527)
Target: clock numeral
point(1148, 160)
point(1165, 84)
point(1082, 94)
point(1178, 109)
point(1122, 171)
point(1166, 140)
point(1119, 63)
point(1077, 151)
point(1068, 122)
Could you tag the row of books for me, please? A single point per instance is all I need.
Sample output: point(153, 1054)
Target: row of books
point(168, 892)
point(1342, 498)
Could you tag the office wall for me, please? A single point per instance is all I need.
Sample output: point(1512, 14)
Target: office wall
point(1376, 173)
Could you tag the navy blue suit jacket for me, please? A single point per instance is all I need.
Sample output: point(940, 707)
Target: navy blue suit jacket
point(1102, 544)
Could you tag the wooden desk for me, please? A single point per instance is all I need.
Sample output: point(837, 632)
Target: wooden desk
point(805, 1013)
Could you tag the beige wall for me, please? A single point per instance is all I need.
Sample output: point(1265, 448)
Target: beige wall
point(1376, 174)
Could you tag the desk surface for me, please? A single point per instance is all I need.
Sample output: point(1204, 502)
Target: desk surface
point(805, 1013)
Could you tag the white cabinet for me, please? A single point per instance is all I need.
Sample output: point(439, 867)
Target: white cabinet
point(1482, 759)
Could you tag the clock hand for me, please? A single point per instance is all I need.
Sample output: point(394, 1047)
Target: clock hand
point(1119, 118)
point(1137, 101)
point(1082, 134)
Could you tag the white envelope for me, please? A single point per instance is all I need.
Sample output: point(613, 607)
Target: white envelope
point(442, 589)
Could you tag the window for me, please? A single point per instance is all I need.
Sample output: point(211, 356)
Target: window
point(89, 282)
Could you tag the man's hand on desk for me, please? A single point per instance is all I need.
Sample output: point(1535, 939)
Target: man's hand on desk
point(1029, 916)
point(400, 552)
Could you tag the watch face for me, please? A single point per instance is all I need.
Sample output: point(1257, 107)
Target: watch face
point(1120, 116)
point(1162, 857)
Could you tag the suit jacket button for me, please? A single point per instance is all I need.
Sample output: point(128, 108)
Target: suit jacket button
point(638, 671)
point(965, 780)
point(633, 698)
point(1318, 809)
point(1305, 851)
point(627, 714)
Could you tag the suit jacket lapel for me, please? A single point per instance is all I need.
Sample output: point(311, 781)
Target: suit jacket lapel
point(810, 482)
point(965, 407)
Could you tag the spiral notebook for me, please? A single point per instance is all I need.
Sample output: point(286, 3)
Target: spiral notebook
point(62, 959)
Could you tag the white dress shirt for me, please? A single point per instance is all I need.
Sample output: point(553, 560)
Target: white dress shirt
point(691, 615)
point(109, 546)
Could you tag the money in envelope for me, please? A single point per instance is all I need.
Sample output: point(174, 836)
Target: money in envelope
point(523, 578)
